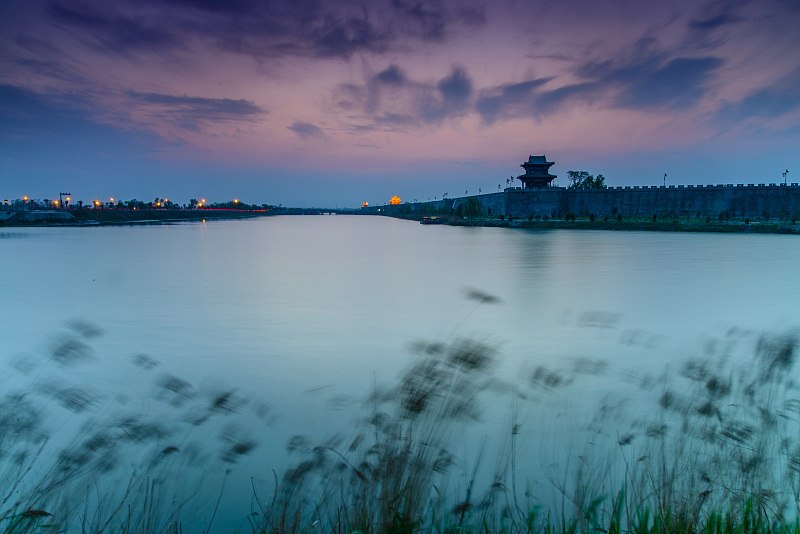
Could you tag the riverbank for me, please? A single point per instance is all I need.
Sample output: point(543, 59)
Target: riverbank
point(146, 216)
point(86, 217)
point(82, 217)
point(635, 224)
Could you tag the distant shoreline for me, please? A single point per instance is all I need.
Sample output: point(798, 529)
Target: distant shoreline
point(143, 216)
point(104, 217)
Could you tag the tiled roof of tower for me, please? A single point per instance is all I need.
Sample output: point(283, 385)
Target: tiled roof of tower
point(539, 160)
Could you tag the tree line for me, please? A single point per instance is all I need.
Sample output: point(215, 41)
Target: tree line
point(584, 180)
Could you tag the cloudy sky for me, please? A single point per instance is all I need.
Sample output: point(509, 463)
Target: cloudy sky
point(331, 103)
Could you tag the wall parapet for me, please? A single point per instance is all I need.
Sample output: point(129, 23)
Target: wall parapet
point(691, 186)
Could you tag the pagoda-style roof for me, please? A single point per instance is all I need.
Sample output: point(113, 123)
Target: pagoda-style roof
point(538, 160)
point(536, 172)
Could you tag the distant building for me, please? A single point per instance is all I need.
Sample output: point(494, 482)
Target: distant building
point(536, 173)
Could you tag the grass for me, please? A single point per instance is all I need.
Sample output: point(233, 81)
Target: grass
point(720, 455)
point(711, 447)
point(75, 458)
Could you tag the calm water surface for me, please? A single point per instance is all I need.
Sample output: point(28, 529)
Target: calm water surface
point(306, 314)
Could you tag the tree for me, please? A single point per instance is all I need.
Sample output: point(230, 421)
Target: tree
point(584, 180)
point(471, 208)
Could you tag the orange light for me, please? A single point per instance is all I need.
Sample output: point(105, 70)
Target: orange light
point(67, 199)
point(96, 202)
point(25, 199)
point(235, 201)
point(112, 199)
point(395, 200)
point(55, 202)
point(365, 204)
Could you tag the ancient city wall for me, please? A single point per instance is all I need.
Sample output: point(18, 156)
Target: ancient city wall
point(493, 204)
point(767, 201)
point(532, 202)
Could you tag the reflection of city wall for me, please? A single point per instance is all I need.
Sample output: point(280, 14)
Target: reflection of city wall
point(762, 200)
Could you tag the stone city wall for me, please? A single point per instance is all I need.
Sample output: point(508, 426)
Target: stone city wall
point(762, 200)
point(768, 201)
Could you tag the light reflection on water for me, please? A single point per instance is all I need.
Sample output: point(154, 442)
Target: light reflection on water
point(304, 315)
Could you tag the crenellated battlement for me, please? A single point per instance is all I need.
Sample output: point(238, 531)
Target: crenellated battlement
point(710, 186)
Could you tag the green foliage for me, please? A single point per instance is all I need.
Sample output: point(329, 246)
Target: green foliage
point(470, 209)
point(236, 205)
point(584, 180)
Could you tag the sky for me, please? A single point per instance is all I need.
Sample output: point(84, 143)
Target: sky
point(333, 103)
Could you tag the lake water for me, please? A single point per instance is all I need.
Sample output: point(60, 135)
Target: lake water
point(304, 315)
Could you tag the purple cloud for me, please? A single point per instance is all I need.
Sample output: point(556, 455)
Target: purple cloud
point(191, 112)
point(276, 29)
point(113, 33)
point(306, 130)
point(768, 103)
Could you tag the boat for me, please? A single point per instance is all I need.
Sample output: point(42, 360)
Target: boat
point(432, 220)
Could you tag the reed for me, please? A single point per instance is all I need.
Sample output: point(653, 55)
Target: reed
point(718, 451)
point(712, 447)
